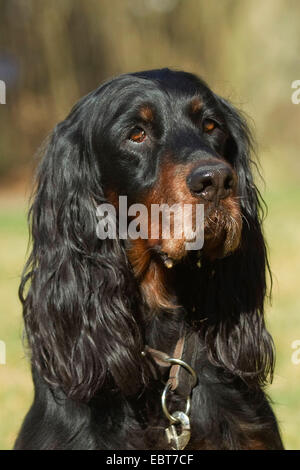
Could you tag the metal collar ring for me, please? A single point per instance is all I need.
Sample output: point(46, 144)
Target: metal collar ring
point(168, 387)
point(165, 409)
point(186, 366)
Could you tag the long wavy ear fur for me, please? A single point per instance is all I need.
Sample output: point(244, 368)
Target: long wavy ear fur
point(79, 321)
point(233, 289)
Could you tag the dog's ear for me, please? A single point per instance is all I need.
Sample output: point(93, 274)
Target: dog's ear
point(236, 336)
point(80, 320)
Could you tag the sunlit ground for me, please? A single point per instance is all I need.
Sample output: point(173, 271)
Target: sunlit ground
point(282, 230)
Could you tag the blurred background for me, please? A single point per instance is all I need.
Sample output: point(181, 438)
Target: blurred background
point(53, 52)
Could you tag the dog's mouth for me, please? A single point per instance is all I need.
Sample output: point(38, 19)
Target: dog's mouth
point(209, 221)
point(218, 237)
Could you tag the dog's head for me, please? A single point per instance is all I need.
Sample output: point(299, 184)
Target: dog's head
point(166, 138)
point(159, 138)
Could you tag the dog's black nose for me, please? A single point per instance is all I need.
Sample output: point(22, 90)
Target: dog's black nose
point(212, 182)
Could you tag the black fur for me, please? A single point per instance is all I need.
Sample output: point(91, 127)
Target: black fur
point(85, 319)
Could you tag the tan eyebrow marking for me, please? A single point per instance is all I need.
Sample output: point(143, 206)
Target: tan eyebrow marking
point(196, 104)
point(146, 113)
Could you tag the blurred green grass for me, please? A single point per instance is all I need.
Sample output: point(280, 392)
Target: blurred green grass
point(16, 388)
point(283, 234)
point(282, 228)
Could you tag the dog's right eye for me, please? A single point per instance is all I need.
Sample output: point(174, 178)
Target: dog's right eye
point(137, 135)
point(209, 126)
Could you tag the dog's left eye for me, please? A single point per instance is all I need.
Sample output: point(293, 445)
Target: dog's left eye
point(138, 135)
point(208, 125)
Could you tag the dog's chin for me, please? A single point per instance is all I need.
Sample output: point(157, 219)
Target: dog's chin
point(222, 237)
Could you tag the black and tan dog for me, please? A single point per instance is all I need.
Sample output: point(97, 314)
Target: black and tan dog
point(100, 313)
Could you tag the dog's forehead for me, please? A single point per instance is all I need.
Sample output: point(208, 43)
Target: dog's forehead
point(144, 94)
point(174, 89)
